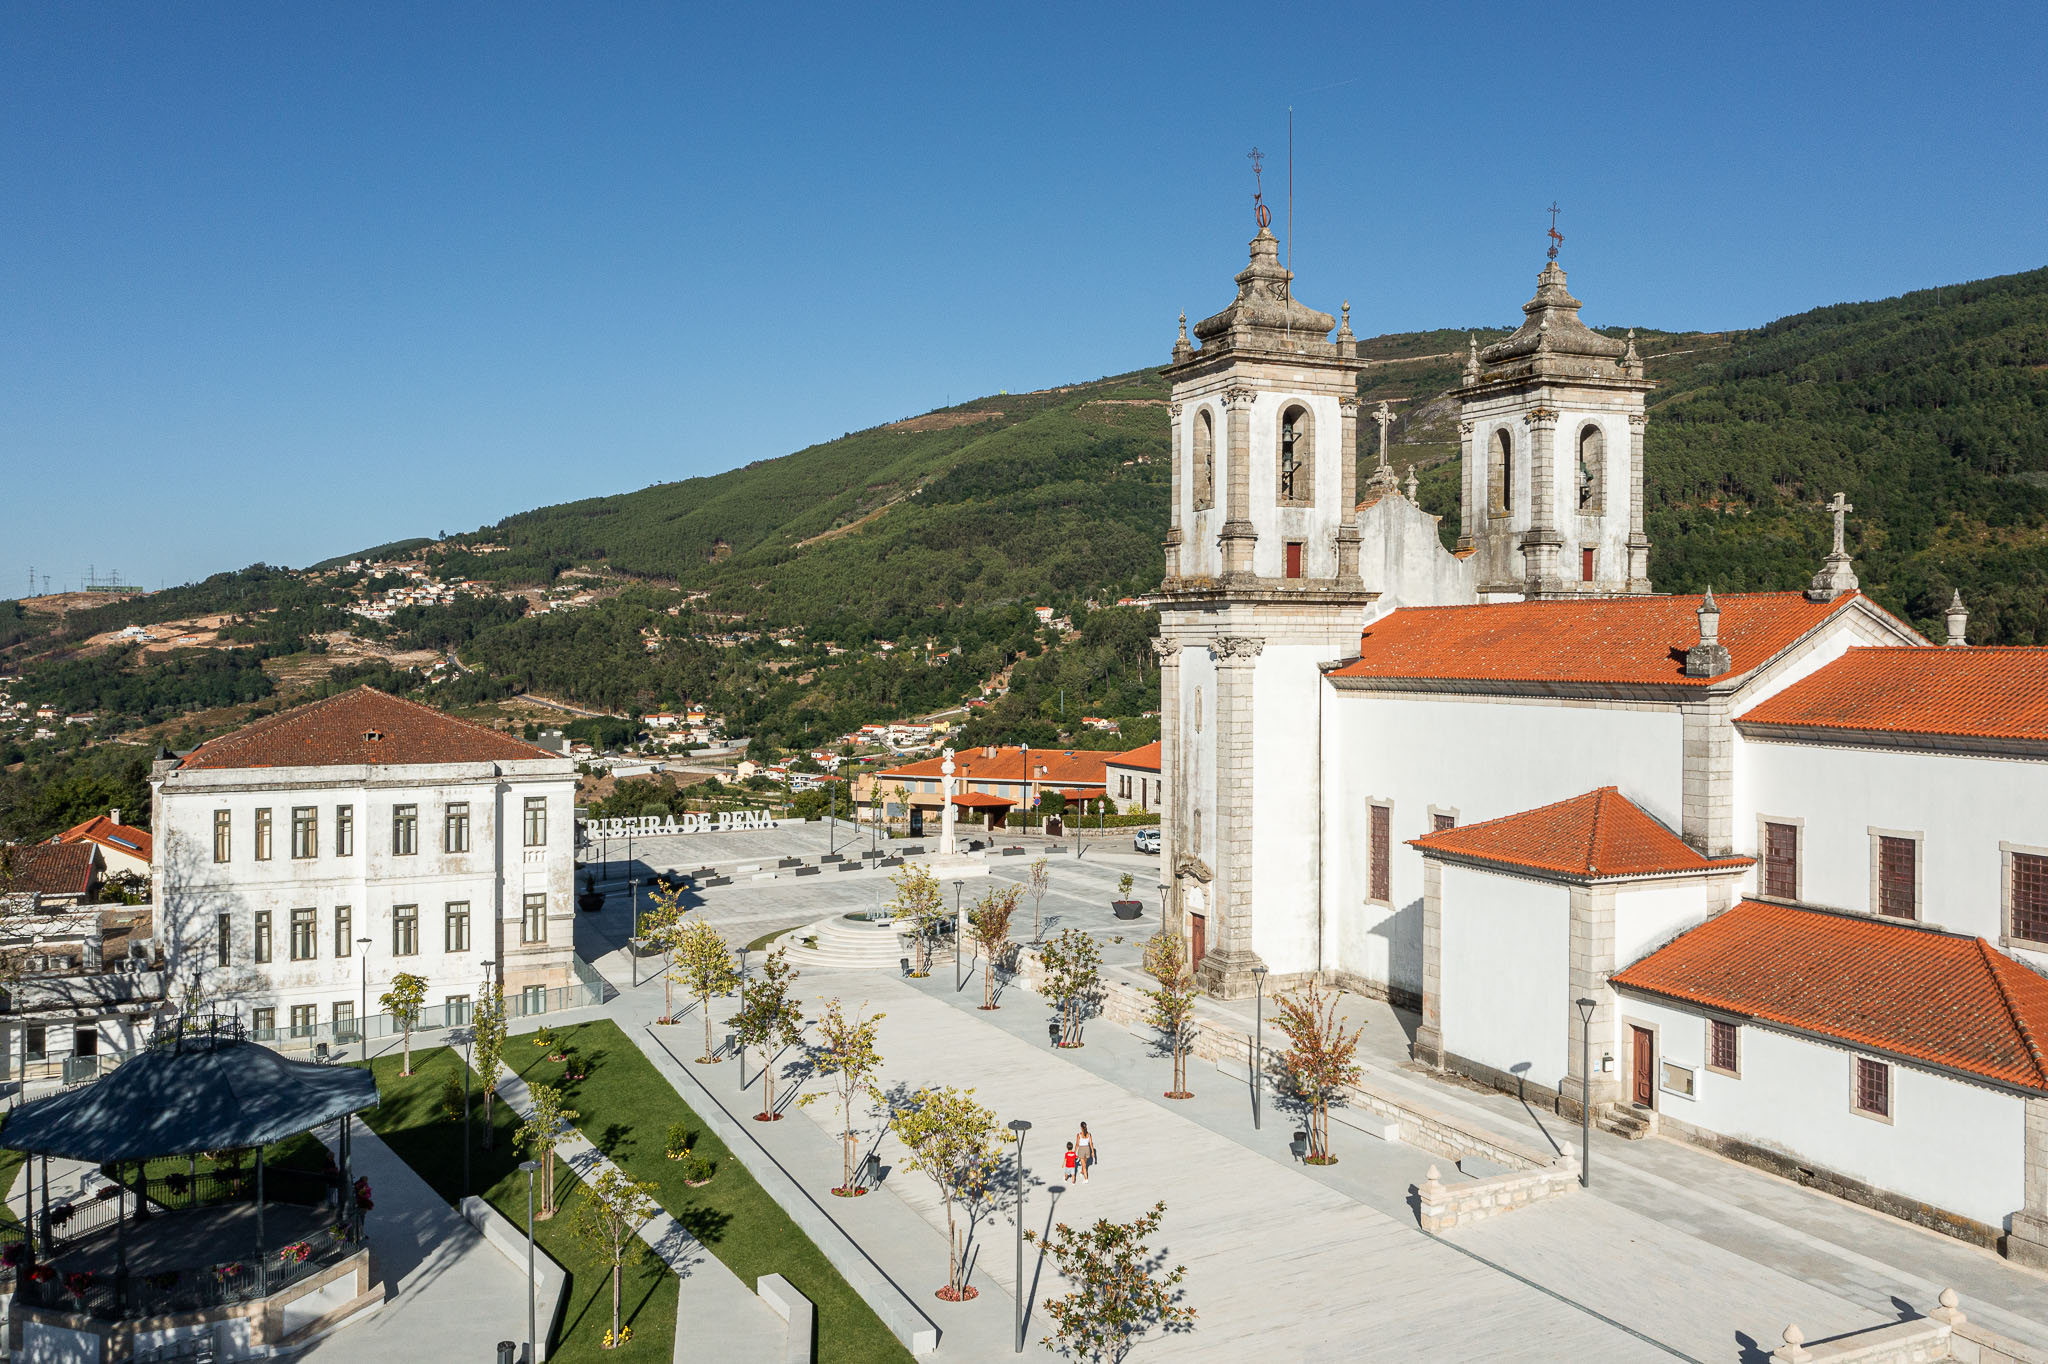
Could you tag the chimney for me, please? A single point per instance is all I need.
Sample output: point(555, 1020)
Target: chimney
point(1709, 657)
point(114, 815)
point(1958, 621)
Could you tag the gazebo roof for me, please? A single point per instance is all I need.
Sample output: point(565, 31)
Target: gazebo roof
point(197, 1095)
point(976, 800)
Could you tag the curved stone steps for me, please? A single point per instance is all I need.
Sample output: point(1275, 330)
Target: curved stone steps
point(843, 944)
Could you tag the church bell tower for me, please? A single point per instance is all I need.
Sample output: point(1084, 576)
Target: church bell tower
point(1552, 433)
point(1262, 584)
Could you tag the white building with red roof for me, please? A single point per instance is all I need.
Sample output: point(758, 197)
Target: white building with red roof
point(1493, 783)
point(306, 860)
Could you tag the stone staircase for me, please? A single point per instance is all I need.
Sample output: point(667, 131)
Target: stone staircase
point(1630, 1123)
point(844, 945)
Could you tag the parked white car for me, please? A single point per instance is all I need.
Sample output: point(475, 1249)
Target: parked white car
point(1146, 840)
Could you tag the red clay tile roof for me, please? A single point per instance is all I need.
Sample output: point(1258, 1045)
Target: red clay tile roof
point(364, 726)
point(1601, 833)
point(975, 800)
point(1601, 639)
point(99, 829)
point(1892, 987)
point(49, 868)
point(1078, 766)
point(1965, 693)
point(1145, 756)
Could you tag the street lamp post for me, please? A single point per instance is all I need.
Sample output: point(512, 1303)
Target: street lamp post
point(529, 1166)
point(1020, 1127)
point(1258, 1045)
point(363, 1018)
point(1162, 907)
point(958, 927)
point(1586, 1007)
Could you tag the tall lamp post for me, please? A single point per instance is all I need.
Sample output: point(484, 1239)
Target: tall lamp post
point(958, 925)
point(1586, 1007)
point(529, 1166)
point(363, 1018)
point(1020, 1127)
point(1258, 1045)
point(1162, 907)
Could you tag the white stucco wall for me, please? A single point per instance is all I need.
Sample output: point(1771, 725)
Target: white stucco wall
point(1963, 806)
point(1196, 770)
point(1316, 525)
point(1648, 916)
point(1402, 557)
point(1954, 1145)
point(1481, 757)
point(1287, 813)
point(1506, 972)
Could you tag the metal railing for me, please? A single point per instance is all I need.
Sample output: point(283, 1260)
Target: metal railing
point(160, 1290)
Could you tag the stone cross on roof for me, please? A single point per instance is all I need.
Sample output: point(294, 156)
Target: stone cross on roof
point(1836, 575)
point(1383, 481)
point(1841, 508)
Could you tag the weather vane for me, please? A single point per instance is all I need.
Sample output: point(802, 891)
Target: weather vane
point(1259, 209)
point(1556, 237)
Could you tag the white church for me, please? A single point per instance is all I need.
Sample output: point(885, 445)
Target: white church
point(1780, 858)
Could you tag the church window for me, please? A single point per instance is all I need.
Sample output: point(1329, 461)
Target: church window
point(2027, 896)
point(1382, 854)
point(1500, 473)
point(1781, 860)
point(1294, 558)
point(1205, 460)
point(1297, 470)
point(1592, 469)
point(1873, 1088)
point(1441, 821)
point(1724, 1053)
point(1895, 874)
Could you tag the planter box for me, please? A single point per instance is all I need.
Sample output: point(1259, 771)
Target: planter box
point(590, 903)
point(851, 866)
point(833, 857)
point(808, 871)
point(1127, 909)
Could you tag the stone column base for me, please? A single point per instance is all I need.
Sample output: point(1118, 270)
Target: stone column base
point(1429, 1046)
point(1227, 974)
point(2027, 1242)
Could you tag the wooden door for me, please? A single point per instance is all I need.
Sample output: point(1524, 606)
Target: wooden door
point(1643, 1062)
point(1198, 938)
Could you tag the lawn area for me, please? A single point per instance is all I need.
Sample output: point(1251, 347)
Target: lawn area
point(626, 1109)
point(412, 1121)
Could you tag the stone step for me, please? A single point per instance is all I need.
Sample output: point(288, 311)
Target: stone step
point(843, 944)
point(1625, 1123)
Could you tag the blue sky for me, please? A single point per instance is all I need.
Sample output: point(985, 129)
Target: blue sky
point(284, 281)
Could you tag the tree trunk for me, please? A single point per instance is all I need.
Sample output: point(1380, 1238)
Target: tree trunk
point(408, 1050)
point(487, 1115)
point(615, 1296)
point(988, 981)
point(952, 1250)
point(704, 1002)
point(846, 1156)
point(668, 993)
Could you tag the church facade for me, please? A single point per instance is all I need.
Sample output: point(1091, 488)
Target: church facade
point(1778, 863)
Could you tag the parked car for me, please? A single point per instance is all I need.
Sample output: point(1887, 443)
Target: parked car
point(1146, 840)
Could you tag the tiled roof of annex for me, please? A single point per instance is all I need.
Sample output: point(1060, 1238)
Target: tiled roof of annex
point(360, 727)
point(1964, 693)
point(1145, 756)
point(1630, 640)
point(1894, 987)
point(48, 868)
point(1600, 834)
point(1063, 766)
point(105, 832)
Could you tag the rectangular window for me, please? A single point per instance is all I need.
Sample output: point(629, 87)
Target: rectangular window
point(1440, 822)
point(223, 937)
point(1781, 861)
point(344, 931)
point(305, 934)
point(344, 831)
point(1294, 558)
point(533, 925)
point(536, 821)
point(263, 835)
point(1873, 1088)
point(85, 1042)
point(533, 1000)
point(1382, 853)
point(455, 828)
point(223, 834)
point(1897, 877)
point(263, 1024)
point(2029, 892)
point(305, 832)
point(455, 1009)
point(405, 930)
point(262, 941)
point(1723, 1053)
point(1585, 565)
point(405, 830)
point(36, 1042)
point(344, 1020)
point(305, 1019)
point(455, 937)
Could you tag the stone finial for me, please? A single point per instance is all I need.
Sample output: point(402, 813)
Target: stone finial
point(1631, 359)
point(1837, 576)
point(1344, 326)
point(1793, 1351)
point(1181, 348)
point(1431, 1176)
point(1412, 483)
point(1949, 1313)
point(1471, 358)
point(1709, 657)
point(1958, 621)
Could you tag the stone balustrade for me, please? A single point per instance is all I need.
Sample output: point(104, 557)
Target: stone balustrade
point(1944, 1333)
point(1441, 1207)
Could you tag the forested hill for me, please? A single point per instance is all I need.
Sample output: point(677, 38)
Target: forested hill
point(1929, 410)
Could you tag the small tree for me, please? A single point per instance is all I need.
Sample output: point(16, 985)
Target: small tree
point(846, 1053)
point(704, 966)
point(920, 899)
point(990, 922)
point(613, 1213)
point(1319, 1064)
point(487, 1030)
point(1173, 1003)
point(1072, 969)
point(661, 928)
point(1040, 883)
point(902, 794)
point(769, 1017)
point(403, 1001)
point(549, 1125)
point(1120, 1288)
point(951, 1139)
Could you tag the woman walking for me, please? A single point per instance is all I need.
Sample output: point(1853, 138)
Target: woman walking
point(1084, 1151)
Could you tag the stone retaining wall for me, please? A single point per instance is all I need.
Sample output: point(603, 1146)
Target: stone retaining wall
point(1444, 1206)
point(1944, 1333)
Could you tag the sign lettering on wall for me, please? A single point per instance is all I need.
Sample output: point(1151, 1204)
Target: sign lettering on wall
point(652, 826)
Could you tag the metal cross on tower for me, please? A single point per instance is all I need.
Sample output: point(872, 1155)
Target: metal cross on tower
point(1260, 212)
point(1556, 237)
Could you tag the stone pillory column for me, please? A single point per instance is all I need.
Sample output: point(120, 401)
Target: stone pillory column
point(1239, 536)
point(1178, 482)
point(1638, 542)
point(1227, 968)
point(946, 814)
point(1541, 542)
point(1168, 651)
